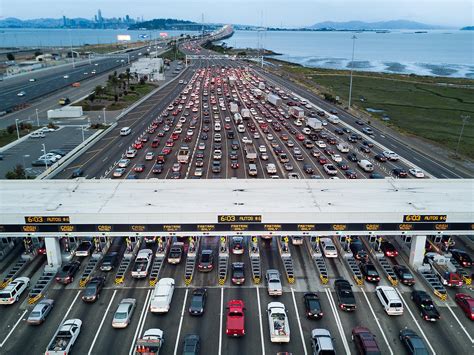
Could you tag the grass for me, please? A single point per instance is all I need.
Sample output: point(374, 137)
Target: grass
point(6, 138)
point(422, 106)
point(170, 55)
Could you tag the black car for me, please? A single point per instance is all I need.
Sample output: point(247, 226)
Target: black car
point(352, 157)
point(368, 144)
point(344, 294)
point(206, 261)
point(216, 166)
point(364, 149)
point(204, 136)
point(404, 275)
point(426, 306)
point(376, 176)
point(369, 271)
point(192, 344)
point(388, 249)
point(233, 155)
point(381, 158)
point(358, 250)
point(234, 145)
point(198, 302)
point(352, 139)
point(461, 257)
point(66, 274)
point(230, 134)
point(312, 305)
point(351, 174)
point(238, 273)
point(77, 173)
point(157, 169)
point(308, 169)
point(360, 123)
point(339, 131)
point(400, 173)
point(92, 291)
point(412, 342)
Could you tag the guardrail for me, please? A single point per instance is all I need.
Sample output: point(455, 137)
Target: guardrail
point(284, 248)
point(223, 261)
point(254, 253)
point(40, 286)
point(89, 269)
point(160, 256)
point(312, 245)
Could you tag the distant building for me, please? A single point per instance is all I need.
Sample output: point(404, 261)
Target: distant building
point(127, 19)
point(64, 21)
point(150, 69)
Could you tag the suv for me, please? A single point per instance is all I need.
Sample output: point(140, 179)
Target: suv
point(426, 306)
point(322, 342)
point(13, 291)
point(364, 341)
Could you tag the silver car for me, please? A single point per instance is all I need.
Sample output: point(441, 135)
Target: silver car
point(124, 312)
point(40, 312)
point(273, 282)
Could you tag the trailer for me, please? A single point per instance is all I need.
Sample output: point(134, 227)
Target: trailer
point(245, 113)
point(275, 100)
point(234, 108)
point(250, 153)
point(296, 112)
point(66, 112)
point(314, 123)
point(278, 323)
point(150, 343)
point(183, 154)
point(444, 269)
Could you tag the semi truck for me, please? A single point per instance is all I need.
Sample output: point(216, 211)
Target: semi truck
point(150, 343)
point(234, 108)
point(64, 338)
point(250, 153)
point(278, 323)
point(245, 113)
point(314, 123)
point(275, 100)
point(237, 118)
point(444, 269)
point(296, 112)
point(183, 154)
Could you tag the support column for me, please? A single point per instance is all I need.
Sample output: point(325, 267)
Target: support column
point(53, 253)
point(417, 250)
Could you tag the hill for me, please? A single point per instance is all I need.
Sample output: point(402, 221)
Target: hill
point(381, 25)
point(165, 24)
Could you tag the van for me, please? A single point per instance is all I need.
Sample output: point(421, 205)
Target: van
point(125, 131)
point(390, 300)
point(13, 291)
point(37, 134)
point(366, 165)
point(253, 170)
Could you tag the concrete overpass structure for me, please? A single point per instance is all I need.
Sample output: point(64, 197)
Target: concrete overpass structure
point(119, 208)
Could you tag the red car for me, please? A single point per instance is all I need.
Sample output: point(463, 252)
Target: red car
point(364, 341)
point(155, 143)
point(323, 160)
point(138, 145)
point(139, 168)
point(169, 143)
point(166, 150)
point(235, 323)
point(175, 136)
point(466, 303)
point(388, 249)
point(300, 137)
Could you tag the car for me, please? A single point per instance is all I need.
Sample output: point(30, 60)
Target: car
point(369, 272)
point(321, 144)
point(237, 245)
point(364, 149)
point(12, 292)
point(235, 322)
point(322, 160)
point(390, 155)
point(358, 249)
point(466, 303)
point(157, 169)
point(201, 146)
point(175, 175)
point(40, 311)
point(352, 157)
point(246, 140)
point(31, 80)
point(139, 168)
point(191, 344)
point(238, 273)
point(131, 153)
point(85, 248)
point(413, 343)
point(364, 341)
point(66, 274)
point(359, 122)
point(404, 275)
point(315, 153)
point(150, 156)
point(376, 176)
point(351, 174)
point(198, 172)
point(21, 94)
point(400, 173)
point(123, 314)
point(92, 291)
point(381, 158)
point(293, 176)
point(308, 169)
point(274, 286)
point(419, 174)
point(330, 169)
point(198, 302)
point(312, 305)
point(461, 257)
point(322, 342)
point(206, 261)
point(425, 305)
point(216, 166)
point(388, 249)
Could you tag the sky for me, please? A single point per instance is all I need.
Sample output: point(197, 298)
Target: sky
point(270, 13)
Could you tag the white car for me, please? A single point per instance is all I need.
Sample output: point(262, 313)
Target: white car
point(270, 137)
point(321, 144)
point(202, 146)
point(246, 140)
point(149, 156)
point(123, 163)
point(330, 169)
point(262, 149)
point(217, 154)
point(417, 173)
point(66, 76)
point(336, 157)
point(198, 172)
point(118, 172)
point(306, 130)
point(241, 128)
point(32, 80)
point(162, 295)
point(13, 291)
point(328, 248)
point(390, 155)
point(271, 168)
point(256, 135)
point(21, 93)
point(178, 130)
point(298, 123)
point(124, 312)
point(131, 153)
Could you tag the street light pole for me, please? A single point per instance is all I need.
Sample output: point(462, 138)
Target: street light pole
point(352, 67)
point(82, 130)
point(465, 118)
point(37, 118)
point(24, 165)
point(17, 129)
point(105, 121)
point(45, 159)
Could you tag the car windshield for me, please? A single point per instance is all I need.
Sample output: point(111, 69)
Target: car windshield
point(205, 258)
point(235, 314)
point(120, 315)
point(313, 304)
point(34, 314)
point(407, 276)
point(90, 290)
point(396, 305)
point(196, 302)
point(4, 295)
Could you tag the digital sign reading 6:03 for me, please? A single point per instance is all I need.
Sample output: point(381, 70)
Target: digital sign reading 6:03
point(232, 218)
point(46, 219)
point(424, 218)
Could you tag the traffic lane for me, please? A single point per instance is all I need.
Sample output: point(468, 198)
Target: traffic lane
point(174, 271)
point(10, 315)
point(295, 345)
point(168, 322)
point(306, 277)
point(207, 278)
point(111, 340)
point(434, 167)
point(251, 342)
point(207, 326)
point(37, 338)
point(459, 316)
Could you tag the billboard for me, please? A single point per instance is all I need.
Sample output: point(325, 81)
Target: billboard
point(123, 38)
point(163, 34)
point(143, 36)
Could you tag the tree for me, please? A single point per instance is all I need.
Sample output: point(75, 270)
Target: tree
point(17, 173)
point(114, 83)
point(37, 53)
point(99, 90)
point(127, 76)
point(91, 97)
point(10, 56)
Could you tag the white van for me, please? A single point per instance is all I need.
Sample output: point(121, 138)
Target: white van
point(37, 134)
point(366, 165)
point(162, 295)
point(328, 247)
point(217, 126)
point(390, 300)
point(125, 131)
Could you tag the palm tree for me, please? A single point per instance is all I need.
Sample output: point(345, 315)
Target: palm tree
point(114, 82)
point(128, 76)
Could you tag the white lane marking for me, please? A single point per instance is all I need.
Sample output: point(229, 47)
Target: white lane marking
point(13, 328)
point(220, 321)
point(260, 320)
point(338, 321)
point(180, 323)
point(140, 323)
point(101, 323)
point(460, 324)
point(377, 321)
point(299, 321)
point(70, 307)
point(416, 322)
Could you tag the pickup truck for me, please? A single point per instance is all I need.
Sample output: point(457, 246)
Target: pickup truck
point(64, 338)
point(235, 323)
point(278, 323)
point(344, 294)
point(142, 264)
point(150, 343)
point(176, 252)
point(273, 282)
